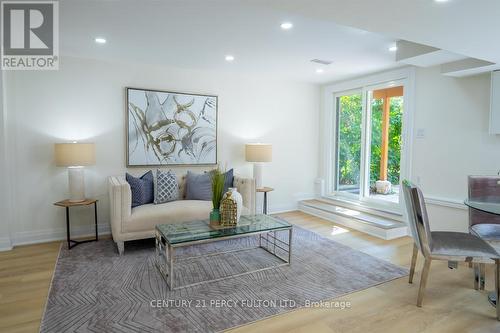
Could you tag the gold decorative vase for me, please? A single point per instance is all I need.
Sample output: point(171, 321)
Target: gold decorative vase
point(228, 211)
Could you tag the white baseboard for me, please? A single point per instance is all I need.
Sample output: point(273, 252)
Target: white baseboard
point(276, 209)
point(445, 202)
point(289, 207)
point(50, 235)
point(5, 244)
point(281, 211)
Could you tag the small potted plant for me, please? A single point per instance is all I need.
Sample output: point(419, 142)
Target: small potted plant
point(218, 179)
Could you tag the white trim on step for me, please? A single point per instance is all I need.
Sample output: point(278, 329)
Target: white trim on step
point(363, 207)
point(386, 234)
point(430, 200)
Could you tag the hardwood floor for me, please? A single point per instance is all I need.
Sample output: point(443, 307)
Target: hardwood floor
point(450, 304)
point(25, 276)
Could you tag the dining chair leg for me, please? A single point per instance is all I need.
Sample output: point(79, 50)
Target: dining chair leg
point(482, 276)
point(423, 281)
point(497, 286)
point(477, 276)
point(413, 262)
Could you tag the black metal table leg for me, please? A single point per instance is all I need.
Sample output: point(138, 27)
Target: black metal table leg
point(265, 203)
point(95, 220)
point(67, 228)
point(72, 243)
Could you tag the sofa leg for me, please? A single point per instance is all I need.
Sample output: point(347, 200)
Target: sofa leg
point(121, 247)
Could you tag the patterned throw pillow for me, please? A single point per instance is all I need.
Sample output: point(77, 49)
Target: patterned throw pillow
point(142, 188)
point(166, 187)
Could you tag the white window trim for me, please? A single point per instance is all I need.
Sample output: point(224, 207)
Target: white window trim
point(405, 75)
point(334, 150)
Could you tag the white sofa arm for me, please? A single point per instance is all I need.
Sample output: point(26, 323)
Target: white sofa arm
point(246, 187)
point(120, 198)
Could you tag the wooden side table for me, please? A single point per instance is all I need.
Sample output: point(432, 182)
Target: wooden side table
point(265, 190)
point(67, 204)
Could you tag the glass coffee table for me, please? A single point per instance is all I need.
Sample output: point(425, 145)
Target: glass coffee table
point(172, 236)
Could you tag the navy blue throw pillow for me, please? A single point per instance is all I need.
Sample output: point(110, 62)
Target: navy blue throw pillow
point(142, 188)
point(229, 180)
point(199, 186)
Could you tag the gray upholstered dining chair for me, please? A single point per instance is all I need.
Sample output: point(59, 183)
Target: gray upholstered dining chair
point(442, 245)
point(483, 224)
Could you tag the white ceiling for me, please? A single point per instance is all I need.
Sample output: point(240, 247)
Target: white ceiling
point(199, 33)
point(468, 27)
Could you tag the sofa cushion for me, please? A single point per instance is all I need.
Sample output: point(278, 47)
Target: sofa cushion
point(142, 188)
point(166, 187)
point(199, 186)
point(146, 217)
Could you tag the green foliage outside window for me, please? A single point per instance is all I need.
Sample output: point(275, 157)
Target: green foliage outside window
point(395, 121)
point(349, 143)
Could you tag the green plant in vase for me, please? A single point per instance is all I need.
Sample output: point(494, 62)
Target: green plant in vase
point(218, 179)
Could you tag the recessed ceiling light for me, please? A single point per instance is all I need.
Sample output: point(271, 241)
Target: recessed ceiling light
point(100, 40)
point(229, 58)
point(393, 48)
point(286, 25)
point(320, 70)
point(441, 0)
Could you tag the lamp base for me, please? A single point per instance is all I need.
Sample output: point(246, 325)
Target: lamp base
point(257, 174)
point(76, 179)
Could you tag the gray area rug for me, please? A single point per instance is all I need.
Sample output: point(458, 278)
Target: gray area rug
point(96, 290)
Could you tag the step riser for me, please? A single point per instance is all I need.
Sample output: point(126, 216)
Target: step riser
point(372, 211)
point(375, 221)
point(352, 223)
point(357, 214)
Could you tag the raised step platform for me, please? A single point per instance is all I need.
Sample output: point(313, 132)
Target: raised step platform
point(372, 224)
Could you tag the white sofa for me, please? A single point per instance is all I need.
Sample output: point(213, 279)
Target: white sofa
point(129, 223)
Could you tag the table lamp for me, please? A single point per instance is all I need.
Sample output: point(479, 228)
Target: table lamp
point(75, 156)
point(258, 153)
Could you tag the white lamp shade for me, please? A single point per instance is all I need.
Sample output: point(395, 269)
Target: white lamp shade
point(258, 152)
point(74, 154)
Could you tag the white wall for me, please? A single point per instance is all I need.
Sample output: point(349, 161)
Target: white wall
point(454, 112)
point(84, 101)
point(5, 241)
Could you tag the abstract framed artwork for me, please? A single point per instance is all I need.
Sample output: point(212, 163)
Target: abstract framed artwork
point(170, 128)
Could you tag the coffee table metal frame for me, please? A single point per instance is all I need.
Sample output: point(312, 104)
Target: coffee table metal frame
point(165, 253)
